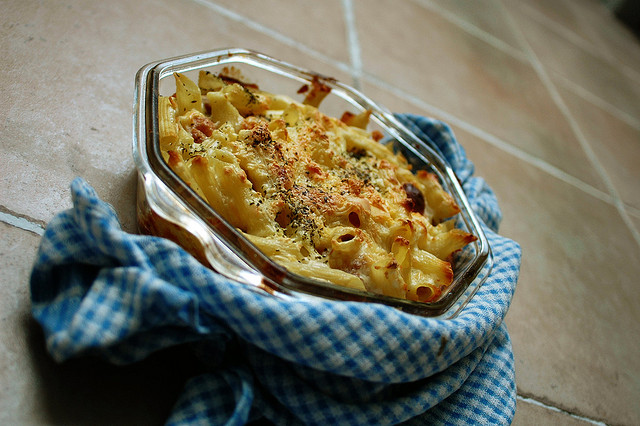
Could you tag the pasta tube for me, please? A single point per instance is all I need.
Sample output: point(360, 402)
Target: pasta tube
point(320, 196)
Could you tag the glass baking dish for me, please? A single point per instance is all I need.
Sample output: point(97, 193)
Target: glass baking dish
point(167, 207)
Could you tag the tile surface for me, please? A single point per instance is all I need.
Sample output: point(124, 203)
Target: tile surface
point(299, 21)
point(635, 219)
point(469, 78)
point(35, 390)
point(557, 320)
point(529, 414)
point(17, 251)
point(566, 15)
point(591, 25)
point(614, 142)
point(534, 90)
point(486, 15)
point(585, 68)
point(90, 80)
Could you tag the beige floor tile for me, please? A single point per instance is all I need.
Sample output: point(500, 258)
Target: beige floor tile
point(570, 15)
point(69, 73)
point(615, 143)
point(531, 414)
point(35, 390)
point(609, 35)
point(316, 25)
point(437, 62)
point(590, 24)
point(488, 16)
point(17, 251)
point(635, 220)
point(583, 67)
point(634, 214)
point(573, 322)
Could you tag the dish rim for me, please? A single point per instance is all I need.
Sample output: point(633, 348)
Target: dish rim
point(226, 247)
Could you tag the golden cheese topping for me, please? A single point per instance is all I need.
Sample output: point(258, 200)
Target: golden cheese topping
point(317, 194)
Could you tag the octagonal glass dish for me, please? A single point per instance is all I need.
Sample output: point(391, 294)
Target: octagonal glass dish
point(169, 208)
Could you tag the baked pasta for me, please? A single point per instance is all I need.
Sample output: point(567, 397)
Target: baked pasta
point(318, 195)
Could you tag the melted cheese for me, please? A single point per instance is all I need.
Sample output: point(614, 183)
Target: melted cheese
point(318, 195)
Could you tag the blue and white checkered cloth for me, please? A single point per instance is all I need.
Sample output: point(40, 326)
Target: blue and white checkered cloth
point(97, 290)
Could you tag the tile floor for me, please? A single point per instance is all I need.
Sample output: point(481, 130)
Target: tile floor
point(544, 96)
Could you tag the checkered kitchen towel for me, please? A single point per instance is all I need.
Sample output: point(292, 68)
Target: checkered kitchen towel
point(97, 290)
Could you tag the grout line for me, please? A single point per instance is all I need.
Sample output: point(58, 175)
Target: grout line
point(633, 211)
point(473, 30)
point(354, 43)
point(356, 69)
point(22, 223)
point(499, 44)
point(495, 141)
point(571, 36)
point(593, 158)
point(558, 410)
point(272, 33)
point(529, 56)
point(598, 102)
point(581, 42)
point(591, 49)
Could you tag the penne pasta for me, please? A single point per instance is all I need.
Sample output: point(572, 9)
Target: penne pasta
point(187, 95)
point(168, 128)
point(429, 277)
point(318, 195)
point(321, 271)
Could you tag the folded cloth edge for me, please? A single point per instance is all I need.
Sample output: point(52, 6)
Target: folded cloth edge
point(67, 300)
